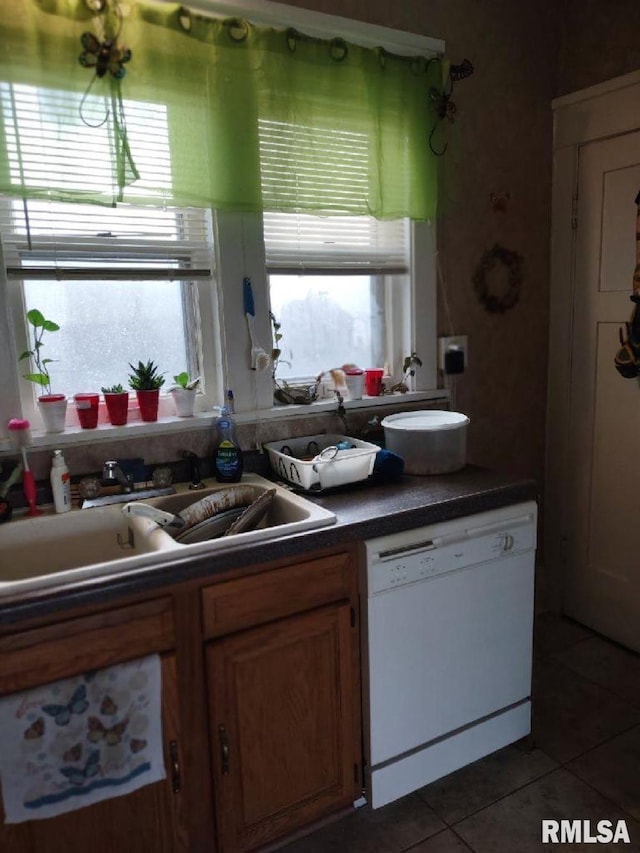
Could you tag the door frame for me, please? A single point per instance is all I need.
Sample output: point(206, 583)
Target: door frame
point(599, 112)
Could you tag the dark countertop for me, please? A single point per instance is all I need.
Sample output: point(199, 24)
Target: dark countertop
point(363, 511)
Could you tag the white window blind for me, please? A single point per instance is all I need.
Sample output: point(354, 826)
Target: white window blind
point(54, 239)
point(50, 146)
point(296, 242)
point(298, 162)
point(62, 144)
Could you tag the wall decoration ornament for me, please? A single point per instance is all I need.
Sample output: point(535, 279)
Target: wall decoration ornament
point(102, 54)
point(490, 273)
point(443, 106)
point(106, 58)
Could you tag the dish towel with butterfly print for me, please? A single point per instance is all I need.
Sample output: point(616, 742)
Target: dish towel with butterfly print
point(81, 740)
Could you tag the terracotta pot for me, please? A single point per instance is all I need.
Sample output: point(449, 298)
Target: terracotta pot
point(117, 407)
point(148, 404)
point(53, 410)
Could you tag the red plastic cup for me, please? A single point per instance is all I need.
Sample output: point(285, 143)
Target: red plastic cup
point(373, 381)
point(87, 408)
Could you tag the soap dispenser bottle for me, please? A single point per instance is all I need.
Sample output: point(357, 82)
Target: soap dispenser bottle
point(60, 483)
point(228, 456)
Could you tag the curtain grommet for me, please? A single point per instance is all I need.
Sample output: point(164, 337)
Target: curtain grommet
point(238, 29)
point(184, 19)
point(291, 36)
point(96, 6)
point(338, 49)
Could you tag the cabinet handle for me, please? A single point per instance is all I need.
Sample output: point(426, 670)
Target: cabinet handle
point(224, 750)
point(176, 782)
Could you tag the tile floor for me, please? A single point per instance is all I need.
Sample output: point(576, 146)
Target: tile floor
point(584, 763)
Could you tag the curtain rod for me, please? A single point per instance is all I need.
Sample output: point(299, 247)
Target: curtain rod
point(321, 25)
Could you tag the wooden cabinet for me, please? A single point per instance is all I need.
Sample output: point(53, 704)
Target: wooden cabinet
point(263, 668)
point(282, 718)
point(148, 819)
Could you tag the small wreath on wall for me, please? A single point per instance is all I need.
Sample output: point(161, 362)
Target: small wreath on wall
point(497, 280)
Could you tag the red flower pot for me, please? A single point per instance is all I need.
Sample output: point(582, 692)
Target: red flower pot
point(87, 409)
point(148, 404)
point(117, 407)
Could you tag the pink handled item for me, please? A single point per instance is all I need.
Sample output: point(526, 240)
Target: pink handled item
point(21, 435)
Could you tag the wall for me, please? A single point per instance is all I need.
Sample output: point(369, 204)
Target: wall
point(597, 41)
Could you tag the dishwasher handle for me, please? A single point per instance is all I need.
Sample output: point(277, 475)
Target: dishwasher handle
point(461, 536)
point(498, 526)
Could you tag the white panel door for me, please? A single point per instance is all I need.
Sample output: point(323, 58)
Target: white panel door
point(602, 582)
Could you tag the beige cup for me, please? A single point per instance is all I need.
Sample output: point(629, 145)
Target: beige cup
point(355, 385)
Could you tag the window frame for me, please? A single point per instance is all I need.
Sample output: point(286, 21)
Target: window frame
point(199, 302)
point(239, 252)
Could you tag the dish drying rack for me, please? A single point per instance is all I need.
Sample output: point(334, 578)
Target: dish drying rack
point(314, 463)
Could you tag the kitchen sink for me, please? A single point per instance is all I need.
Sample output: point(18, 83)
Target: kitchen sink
point(102, 541)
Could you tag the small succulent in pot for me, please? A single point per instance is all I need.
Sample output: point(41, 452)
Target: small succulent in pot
point(146, 382)
point(184, 381)
point(184, 394)
point(117, 403)
point(145, 377)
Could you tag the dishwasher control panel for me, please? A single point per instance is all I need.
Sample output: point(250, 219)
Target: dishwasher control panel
point(425, 553)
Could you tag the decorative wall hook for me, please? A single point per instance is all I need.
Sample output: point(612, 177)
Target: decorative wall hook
point(442, 105)
point(499, 202)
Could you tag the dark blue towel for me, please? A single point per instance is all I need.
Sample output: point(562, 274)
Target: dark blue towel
point(388, 464)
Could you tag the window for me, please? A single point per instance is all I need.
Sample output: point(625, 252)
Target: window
point(269, 172)
point(336, 285)
point(124, 283)
point(327, 321)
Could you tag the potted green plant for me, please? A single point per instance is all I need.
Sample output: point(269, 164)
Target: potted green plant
point(283, 393)
point(183, 393)
point(117, 402)
point(52, 407)
point(146, 382)
point(408, 370)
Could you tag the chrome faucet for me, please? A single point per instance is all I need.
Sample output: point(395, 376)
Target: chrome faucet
point(112, 473)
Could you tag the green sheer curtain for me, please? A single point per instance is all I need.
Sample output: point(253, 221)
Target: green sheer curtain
point(256, 118)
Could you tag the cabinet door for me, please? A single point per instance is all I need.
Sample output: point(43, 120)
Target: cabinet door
point(148, 819)
point(281, 725)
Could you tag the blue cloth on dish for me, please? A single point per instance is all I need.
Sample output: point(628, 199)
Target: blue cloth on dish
point(388, 464)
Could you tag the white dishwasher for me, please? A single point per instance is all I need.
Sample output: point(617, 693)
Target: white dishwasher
point(448, 650)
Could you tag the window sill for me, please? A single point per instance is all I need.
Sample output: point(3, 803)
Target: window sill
point(76, 436)
point(331, 404)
